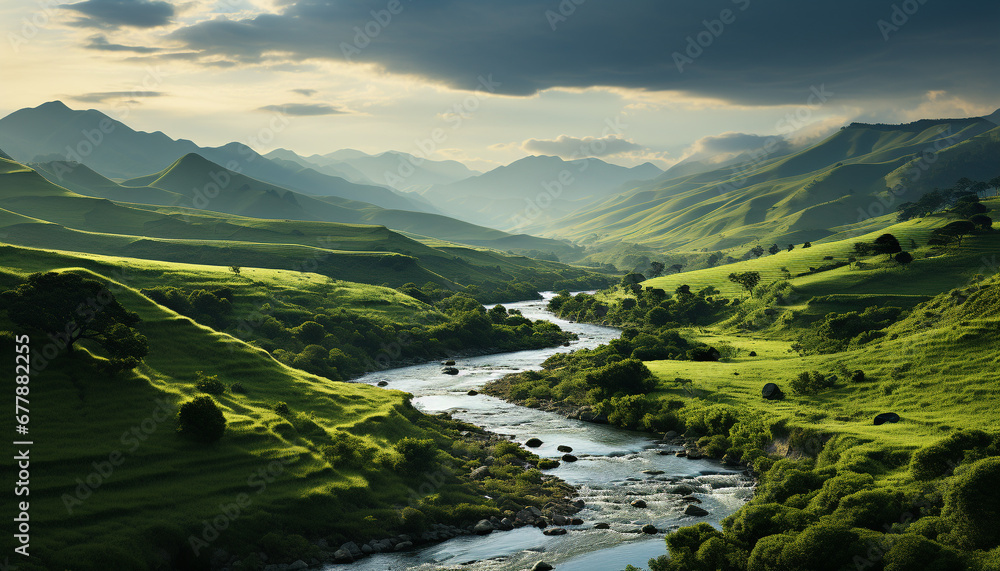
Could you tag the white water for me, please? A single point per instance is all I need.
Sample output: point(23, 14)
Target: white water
point(608, 473)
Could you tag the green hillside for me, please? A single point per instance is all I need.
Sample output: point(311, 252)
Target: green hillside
point(333, 450)
point(796, 198)
point(370, 254)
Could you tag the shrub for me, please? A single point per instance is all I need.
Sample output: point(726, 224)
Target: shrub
point(282, 408)
point(628, 376)
point(210, 384)
point(839, 486)
point(714, 446)
point(200, 419)
point(237, 387)
point(766, 555)
point(869, 508)
point(810, 383)
point(915, 552)
point(756, 521)
point(858, 376)
point(972, 506)
point(827, 547)
point(939, 459)
point(414, 520)
point(415, 455)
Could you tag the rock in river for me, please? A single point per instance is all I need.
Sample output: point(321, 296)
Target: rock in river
point(649, 529)
point(695, 511)
point(569, 458)
point(564, 448)
point(533, 443)
point(484, 527)
point(638, 504)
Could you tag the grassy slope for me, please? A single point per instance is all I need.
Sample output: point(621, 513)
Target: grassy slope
point(80, 416)
point(793, 199)
point(370, 254)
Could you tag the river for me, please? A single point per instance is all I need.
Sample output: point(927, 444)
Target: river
point(609, 473)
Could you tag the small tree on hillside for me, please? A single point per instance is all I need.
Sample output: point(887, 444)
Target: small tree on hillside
point(757, 251)
point(886, 244)
point(69, 307)
point(201, 420)
point(958, 229)
point(807, 245)
point(748, 280)
point(791, 247)
point(235, 269)
point(655, 269)
point(983, 222)
point(677, 268)
point(774, 249)
point(904, 258)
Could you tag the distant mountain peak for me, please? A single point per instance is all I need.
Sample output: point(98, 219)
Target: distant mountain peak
point(4, 155)
point(55, 105)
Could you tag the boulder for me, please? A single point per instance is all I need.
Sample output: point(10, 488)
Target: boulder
point(352, 548)
point(367, 549)
point(670, 435)
point(299, 565)
point(694, 455)
point(569, 458)
point(533, 443)
point(342, 556)
point(555, 531)
point(484, 527)
point(564, 448)
point(383, 383)
point(480, 473)
point(542, 566)
point(404, 545)
point(540, 523)
point(472, 393)
point(886, 417)
point(578, 504)
point(683, 490)
point(649, 529)
point(576, 521)
point(753, 353)
point(602, 525)
point(506, 524)
point(450, 371)
point(690, 500)
point(449, 363)
point(682, 453)
point(653, 472)
point(695, 511)
point(559, 519)
point(638, 504)
point(771, 391)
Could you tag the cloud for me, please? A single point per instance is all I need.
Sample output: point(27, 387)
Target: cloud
point(303, 109)
point(725, 146)
point(769, 53)
point(110, 14)
point(306, 92)
point(105, 96)
point(101, 43)
point(566, 146)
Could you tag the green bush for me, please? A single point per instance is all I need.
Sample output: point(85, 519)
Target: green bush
point(810, 383)
point(414, 520)
point(415, 455)
point(755, 522)
point(766, 555)
point(909, 552)
point(972, 506)
point(201, 420)
point(828, 547)
point(282, 408)
point(840, 486)
point(629, 376)
point(939, 459)
point(872, 509)
point(210, 384)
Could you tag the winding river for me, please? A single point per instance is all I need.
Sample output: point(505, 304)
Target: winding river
point(609, 473)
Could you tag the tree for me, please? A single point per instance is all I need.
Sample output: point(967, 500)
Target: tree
point(683, 289)
point(969, 208)
point(886, 244)
point(714, 258)
point(774, 249)
point(748, 280)
point(655, 269)
point(983, 222)
point(677, 268)
point(807, 245)
point(904, 258)
point(791, 247)
point(69, 307)
point(956, 230)
point(201, 420)
point(757, 251)
point(995, 183)
point(235, 269)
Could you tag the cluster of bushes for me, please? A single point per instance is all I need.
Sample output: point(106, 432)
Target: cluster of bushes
point(960, 197)
point(842, 331)
point(646, 307)
point(338, 344)
point(811, 382)
point(212, 307)
point(826, 512)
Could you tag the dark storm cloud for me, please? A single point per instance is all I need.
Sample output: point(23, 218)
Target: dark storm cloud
point(303, 109)
point(101, 43)
point(105, 96)
point(566, 146)
point(730, 143)
point(117, 13)
point(747, 51)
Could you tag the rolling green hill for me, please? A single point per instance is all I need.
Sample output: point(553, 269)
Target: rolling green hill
point(796, 198)
point(53, 217)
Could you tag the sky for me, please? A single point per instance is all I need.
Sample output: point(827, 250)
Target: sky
point(488, 82)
